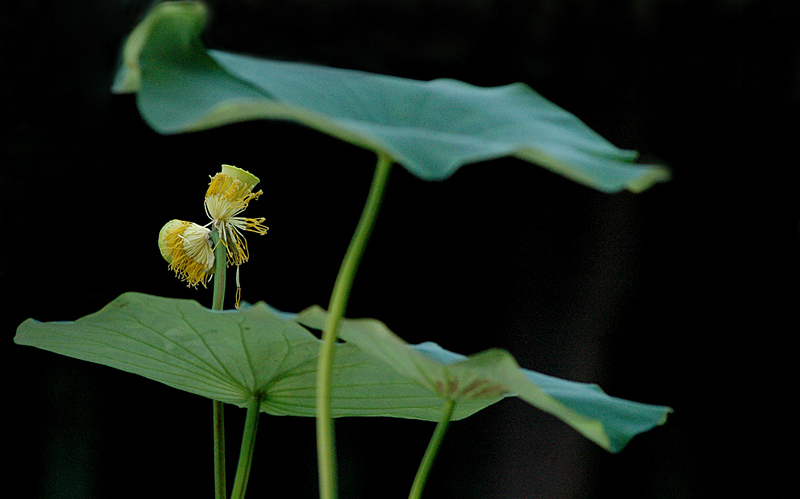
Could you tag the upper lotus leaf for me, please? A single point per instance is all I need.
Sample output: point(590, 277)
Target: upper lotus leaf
point(432, 128)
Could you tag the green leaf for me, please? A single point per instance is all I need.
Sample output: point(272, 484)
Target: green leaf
point(232, 356)
point(608, 421)
point(431, 128)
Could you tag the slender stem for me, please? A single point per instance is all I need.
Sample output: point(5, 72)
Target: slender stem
point(326, 448)
point(431, 451)
point(246, 453)
point(220, 268)
point(220, 486)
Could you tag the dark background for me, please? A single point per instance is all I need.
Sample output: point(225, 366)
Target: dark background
point(685, 295)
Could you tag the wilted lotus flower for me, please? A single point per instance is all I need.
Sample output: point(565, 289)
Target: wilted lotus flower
point(187, 248)
point(229, 193)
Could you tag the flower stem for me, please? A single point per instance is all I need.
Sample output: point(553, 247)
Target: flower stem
point(246, 453)
point(220, 267)
point(326, 448)
point(431, 451)
point(220, 486)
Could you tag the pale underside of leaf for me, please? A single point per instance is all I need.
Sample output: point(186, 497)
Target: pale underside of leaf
point(431, 128)
point(608, 421)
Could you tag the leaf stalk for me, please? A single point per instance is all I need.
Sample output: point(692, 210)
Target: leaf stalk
point(246, 452)
point(326, 446)
point(432, 451)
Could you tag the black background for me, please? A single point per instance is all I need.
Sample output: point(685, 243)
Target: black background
point(685, 295)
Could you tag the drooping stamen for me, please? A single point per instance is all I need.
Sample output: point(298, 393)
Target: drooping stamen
point(187, 248)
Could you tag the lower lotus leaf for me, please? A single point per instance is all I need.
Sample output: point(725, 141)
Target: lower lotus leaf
point(608, 421)
point(621, 419)
point(362, 386)
point(233, 356)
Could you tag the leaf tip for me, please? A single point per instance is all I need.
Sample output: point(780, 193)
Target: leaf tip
point(129, 76)
point(654, 174)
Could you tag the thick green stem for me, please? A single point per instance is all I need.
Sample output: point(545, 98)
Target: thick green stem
point(326, 448)
point(220, 268)
point(246, 453)
point(431, 451)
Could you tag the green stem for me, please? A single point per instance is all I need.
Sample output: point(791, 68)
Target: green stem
point(220, 486)
point(326, 448)
point(246, 453)
point(431, 451)
point(220, 268)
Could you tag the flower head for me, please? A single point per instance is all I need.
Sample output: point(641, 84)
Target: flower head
point(186, 246)
point(228, 194)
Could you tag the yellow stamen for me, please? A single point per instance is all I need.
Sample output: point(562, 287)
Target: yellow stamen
point(228, 195)
point(187, 248)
